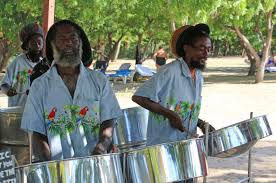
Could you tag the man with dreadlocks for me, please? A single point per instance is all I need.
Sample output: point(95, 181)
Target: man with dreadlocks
point(173, 94)
point(70, 108)
point(16, 82)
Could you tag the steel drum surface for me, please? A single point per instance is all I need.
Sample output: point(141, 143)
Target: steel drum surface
point(97, 169)
point(237, 138)
point(167, 162)
point(10, 121)
point(131, 128)
point(12, 136)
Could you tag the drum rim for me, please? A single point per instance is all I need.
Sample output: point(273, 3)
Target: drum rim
point(167, 143)
point(69, 159)
point(235, 124)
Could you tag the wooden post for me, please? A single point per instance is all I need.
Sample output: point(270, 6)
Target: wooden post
point(48, 14)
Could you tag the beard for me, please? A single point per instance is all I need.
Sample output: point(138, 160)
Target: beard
point(35, 55)
point(198, 64)
point(67, 57)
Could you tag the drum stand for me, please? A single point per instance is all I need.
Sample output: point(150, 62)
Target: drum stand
point(249, 178)
point(206, 147)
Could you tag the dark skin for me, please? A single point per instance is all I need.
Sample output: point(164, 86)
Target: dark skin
point(195, 53)
point(34, 53)
point(66, 41)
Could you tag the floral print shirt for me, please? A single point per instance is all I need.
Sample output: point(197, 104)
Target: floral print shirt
point(71, 124)
point(18, 76)
point(173, 87)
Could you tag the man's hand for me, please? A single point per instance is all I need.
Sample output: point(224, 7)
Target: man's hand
point(99, 149)
point(202, 125)
point(11, 92)
point(105, 138)
point(176, 121)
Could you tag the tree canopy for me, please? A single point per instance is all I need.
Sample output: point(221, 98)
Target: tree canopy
point(115, 24)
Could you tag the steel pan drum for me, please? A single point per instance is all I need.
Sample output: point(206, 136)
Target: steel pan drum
point(167, 162)
point(237, 138)
point(11, 136)
point(131, 129)
point(96, 169)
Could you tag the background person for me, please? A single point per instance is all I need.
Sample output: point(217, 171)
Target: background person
point(16, 81)
point(160, 57)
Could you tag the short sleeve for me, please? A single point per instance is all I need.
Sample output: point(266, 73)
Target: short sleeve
point(8, 78)
point(33, 116)
point(151, 88)
point(109, 106)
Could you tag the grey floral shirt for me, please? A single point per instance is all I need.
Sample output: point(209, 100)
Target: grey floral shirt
point(18, 76)
point(71, 124)
point(173, 87)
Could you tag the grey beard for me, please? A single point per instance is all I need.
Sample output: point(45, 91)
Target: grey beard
point(64, 60)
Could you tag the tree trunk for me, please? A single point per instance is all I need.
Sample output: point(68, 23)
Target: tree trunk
point(215, 48)
point(173, 25)
point(252, 68)
point(140, 38)
point(260, 69)
point(4, 54)
point(116, 49)
point(251, 51)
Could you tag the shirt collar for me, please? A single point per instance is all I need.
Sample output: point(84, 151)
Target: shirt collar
point(53, 71)
point(186, 71)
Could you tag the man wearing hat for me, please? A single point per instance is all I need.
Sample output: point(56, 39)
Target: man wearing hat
point(16, 82)
point(173, 94)
point(70, 109)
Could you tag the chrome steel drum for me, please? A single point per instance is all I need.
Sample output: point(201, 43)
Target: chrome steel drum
point(11, 136)
point(96, 169)
point(167, 162)
point(131, 129)
point(238, 138)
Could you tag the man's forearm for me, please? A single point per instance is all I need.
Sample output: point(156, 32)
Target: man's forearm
point(41, 149)
point(152, 106)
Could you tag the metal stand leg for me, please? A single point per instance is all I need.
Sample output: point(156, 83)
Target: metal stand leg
point(249, 178)
point(206, 147)
point(30, 147)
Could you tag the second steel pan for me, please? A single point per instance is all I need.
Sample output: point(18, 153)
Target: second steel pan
point(167, 162)
point(131, 129)
point(97, 169)
point(237, 138)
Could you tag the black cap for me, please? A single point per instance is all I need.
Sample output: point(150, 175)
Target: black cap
point(27, 32)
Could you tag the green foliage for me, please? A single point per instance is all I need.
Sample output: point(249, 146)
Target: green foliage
point(149, 19)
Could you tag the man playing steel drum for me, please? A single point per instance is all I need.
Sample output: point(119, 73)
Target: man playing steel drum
point(16, 82)
point(70, 109)
point(173, 94)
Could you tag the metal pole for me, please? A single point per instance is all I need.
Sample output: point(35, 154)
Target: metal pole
point(249, 168)
point(30, 147)
point(206, 146)
point(249, 158)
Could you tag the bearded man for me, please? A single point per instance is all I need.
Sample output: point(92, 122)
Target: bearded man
point(70, 109)
point(173, 94)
